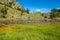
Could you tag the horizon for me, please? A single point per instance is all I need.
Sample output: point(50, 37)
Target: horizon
point(39, 5)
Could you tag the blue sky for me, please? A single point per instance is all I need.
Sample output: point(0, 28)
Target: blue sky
point(40, 5)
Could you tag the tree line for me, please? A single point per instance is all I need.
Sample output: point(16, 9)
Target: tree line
point(55, 13)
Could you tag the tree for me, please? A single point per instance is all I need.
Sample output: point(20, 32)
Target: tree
point(4, 11)
point(22, 11)
point(42, 14)
point(50, 16)
point(19, 9)
point(10, 4)
point(45, 16)
point(58, 12)
point(53, 13)
point(27, 11)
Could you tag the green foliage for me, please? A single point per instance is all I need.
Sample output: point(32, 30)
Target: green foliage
point(42, 14)
point(58, 13)
point(51, 16)
point(55, 13)
point(58, 10)
point(4, 11)
point(18, 8)
point(45, 16)
point(10, 4)
point(0, 3)
point(27, 10)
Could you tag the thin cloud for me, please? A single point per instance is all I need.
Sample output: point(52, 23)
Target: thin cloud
point(38, 10)
point(43, 10)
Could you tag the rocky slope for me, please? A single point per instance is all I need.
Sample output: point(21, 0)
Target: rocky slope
point(14, 9)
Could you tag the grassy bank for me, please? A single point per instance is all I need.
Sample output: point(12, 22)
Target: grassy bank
point(3, 19)
point(49, 31)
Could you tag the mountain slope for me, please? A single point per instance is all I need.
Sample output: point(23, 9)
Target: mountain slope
point(13, 11)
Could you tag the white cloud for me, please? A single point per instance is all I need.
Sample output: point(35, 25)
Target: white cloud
point(38, 10)
point(42, 10)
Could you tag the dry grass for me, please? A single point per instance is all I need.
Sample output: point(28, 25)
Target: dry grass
point(5, 28)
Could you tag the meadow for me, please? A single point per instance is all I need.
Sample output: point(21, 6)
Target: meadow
point(48, 31)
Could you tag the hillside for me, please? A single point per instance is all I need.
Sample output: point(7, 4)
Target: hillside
point(12, 11)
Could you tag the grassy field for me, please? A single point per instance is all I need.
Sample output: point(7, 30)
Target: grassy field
point(3, 19)
point(49, 31)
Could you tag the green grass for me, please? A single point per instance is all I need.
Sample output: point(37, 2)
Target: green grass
point(58, 18)
point(3, 19)
point(49, 31)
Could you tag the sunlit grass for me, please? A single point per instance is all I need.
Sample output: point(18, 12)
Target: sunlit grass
point(58, 18)
point(3, 19)
point(49, 31)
